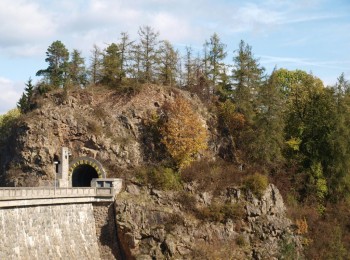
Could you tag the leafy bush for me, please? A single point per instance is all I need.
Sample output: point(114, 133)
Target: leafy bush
point(160, 178)
point(256, 183)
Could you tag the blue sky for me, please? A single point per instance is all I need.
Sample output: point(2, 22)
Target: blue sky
point(312, 35)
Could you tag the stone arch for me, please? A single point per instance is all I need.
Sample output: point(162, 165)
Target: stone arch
point(82, 170)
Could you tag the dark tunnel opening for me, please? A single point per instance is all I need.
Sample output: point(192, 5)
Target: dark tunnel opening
point(82, 175)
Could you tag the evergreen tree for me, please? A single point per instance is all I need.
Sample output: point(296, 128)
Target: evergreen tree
point(111, 66)
point(189, 69)
point(247, 78)
point(269, 125)
point(57, 72)
point(224, 86)
point(25, 102)
point(77, 70)
point(216, 55)
point(339, 166)
point(168, 64)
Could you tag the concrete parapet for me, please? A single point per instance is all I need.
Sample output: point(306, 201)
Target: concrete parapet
point(14, 197)
point(117, 184)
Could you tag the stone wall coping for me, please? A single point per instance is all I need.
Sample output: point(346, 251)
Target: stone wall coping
point(16, 197)
point(31, 196)
point(25, 193)
point(51, 201)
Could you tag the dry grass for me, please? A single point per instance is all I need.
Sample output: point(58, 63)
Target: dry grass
point(213, 175)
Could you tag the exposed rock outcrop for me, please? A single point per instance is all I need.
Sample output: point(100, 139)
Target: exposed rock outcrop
point(98, 123)
point(156, 225)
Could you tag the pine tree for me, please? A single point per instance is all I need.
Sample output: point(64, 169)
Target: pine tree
point(168, 64)
point(25, 102)
point(111, 66)
point(247, 78)
point(189, 68)
point(57, 72)
point(216, 55)
point(338, 169)
point(268, 144)
point(77, 70)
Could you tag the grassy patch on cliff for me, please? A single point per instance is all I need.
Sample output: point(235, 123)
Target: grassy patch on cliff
point(159, 177)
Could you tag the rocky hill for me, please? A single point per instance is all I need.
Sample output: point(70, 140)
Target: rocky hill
point(194, 221)
point(99, 123)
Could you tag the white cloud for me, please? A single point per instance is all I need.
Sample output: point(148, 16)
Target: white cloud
point(22, 22)
point(171, 27)
point(10, 94)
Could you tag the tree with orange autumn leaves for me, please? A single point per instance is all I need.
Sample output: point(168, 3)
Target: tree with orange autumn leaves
point(183, 132)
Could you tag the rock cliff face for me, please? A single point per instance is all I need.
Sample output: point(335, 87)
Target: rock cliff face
point(98, 123)
point(156, 224)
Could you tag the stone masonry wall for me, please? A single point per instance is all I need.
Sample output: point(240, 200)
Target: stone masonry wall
point(49, 232)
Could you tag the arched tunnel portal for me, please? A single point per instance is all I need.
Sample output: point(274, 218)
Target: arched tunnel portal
point(83, 170)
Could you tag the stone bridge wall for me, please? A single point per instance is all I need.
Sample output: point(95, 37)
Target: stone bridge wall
point(57, 224)
point(49, 232)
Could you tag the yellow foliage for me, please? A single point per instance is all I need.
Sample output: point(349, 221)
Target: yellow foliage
point(302, 226)
point(9, 116)
point(183, 133)
point(232, 119)
point(6, 122)
point(294, 143)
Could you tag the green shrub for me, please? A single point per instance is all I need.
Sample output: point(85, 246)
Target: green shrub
point(256, 183)
point(160, 178)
